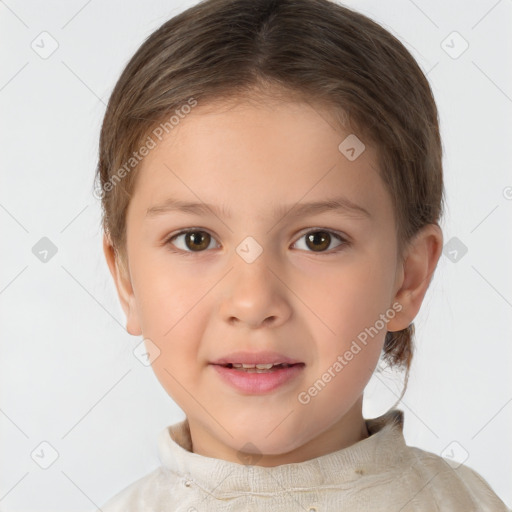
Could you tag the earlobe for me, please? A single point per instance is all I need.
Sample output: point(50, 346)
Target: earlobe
point(123, 285)
point(415, 274)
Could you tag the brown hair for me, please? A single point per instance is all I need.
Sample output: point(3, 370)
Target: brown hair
point(313, 50)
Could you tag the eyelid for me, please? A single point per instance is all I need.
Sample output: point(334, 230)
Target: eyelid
point(341, 237)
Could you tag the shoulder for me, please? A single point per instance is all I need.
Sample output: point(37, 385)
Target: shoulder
point(142, 494)
point(448, 485)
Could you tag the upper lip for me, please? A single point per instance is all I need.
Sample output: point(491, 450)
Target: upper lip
point(266, 357)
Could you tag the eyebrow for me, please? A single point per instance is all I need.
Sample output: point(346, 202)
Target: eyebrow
point(340, 205)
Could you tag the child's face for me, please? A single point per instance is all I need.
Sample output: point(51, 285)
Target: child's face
point(303, 297)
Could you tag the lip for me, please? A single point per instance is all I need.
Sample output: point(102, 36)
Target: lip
point(265, 357)
point(258, 383)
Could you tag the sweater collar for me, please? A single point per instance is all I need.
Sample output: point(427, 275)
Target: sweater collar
point(385, 445)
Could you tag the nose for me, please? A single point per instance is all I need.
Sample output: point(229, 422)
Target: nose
point(255, 294)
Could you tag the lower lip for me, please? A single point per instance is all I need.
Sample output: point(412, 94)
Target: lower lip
point(258, 383)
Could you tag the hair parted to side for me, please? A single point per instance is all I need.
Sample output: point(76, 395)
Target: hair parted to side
point(311, 50)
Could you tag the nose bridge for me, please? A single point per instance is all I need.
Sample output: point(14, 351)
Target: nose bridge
point(251, 270)
point(254, 294)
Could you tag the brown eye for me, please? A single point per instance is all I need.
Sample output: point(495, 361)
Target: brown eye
point(191, 241)
point(321, 240)
point(197, 240)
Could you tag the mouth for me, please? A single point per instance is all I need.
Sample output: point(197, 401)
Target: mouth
point(258, 378)
point(259, 368)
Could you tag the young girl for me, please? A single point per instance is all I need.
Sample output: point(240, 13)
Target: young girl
point(272, 186)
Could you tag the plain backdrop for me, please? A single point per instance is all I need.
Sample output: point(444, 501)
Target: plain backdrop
point(79, 414)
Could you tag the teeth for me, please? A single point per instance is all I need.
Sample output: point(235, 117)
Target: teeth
point(259, 366)
point(264, 366)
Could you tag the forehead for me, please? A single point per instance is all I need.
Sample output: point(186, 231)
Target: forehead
point(247, 152)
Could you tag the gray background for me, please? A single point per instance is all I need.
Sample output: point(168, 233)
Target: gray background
point(68, 376)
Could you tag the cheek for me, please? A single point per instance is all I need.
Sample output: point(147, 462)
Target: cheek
point(175, 324)
point(348, 352)
point(352, 304)
point(352, 298)
point(165, 297)
point(171, 309)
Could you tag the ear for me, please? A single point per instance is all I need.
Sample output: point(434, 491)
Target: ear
point(414, 274)
point(120, 274)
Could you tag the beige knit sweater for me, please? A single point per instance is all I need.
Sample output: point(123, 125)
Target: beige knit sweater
point(379, 473)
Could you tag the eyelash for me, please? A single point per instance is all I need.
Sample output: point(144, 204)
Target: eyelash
point(339, 237)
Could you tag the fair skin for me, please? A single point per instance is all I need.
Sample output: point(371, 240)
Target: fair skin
point(305, 302)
